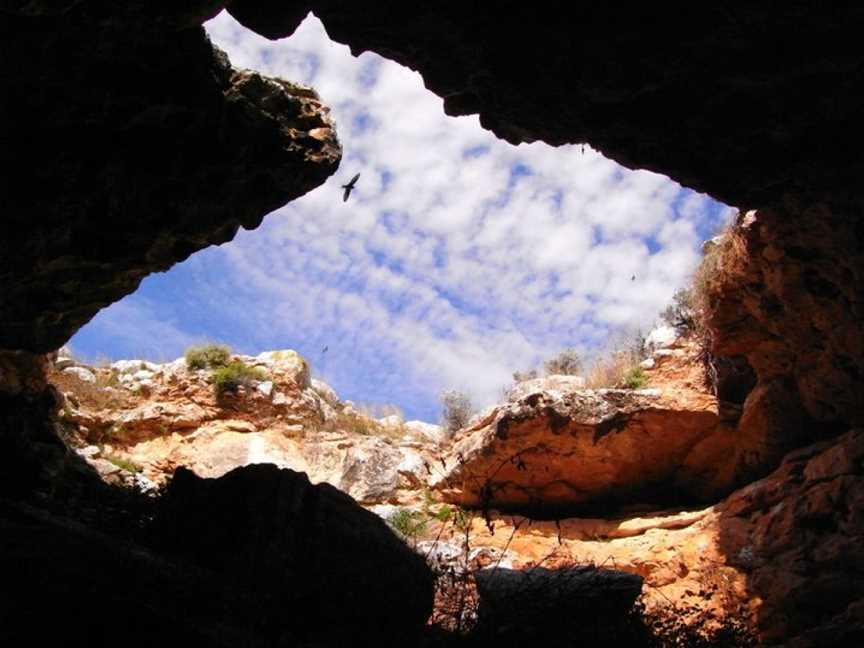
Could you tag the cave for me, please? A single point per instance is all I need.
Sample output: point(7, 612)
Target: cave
point(129, 143)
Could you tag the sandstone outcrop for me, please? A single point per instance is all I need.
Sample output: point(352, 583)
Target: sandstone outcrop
point(157, 417)
point(790, 297)
point(556, 447)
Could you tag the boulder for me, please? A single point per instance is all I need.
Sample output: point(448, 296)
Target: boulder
point(661, 337)
point(325, 391)
point(315, 551)
point(553, 450)
point(81, 373)
point(288, 364)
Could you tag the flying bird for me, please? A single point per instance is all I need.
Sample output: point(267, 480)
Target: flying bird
point(348, 187)
point(324, 350)
point(633, 278)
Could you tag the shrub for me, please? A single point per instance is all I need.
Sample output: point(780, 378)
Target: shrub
point(125, 464)
point(408, 523)
point(635, 378)
point(235, 375)
point(566, 363)
point(522, 376)
point(208, 356)
point(681, 313)
point(456, 409)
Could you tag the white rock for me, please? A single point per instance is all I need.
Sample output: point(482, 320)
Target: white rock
point(279, 399)
point(143, 484)
point(648, 363)
point(64, 358)
point(413, 468)
point(325, 391)
point(83, 374)
point(428, 431)
point(265, 388)
point(89, 451)
point(286, 361)
point(133, 366)
point(143, 374)
point(384, 511)
point(142, 386)
point(660, 338)
point(555, 385)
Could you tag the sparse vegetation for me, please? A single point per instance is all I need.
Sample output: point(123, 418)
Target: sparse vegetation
point(125, 464)
point(208, 356)
point(618, 368)
point(522, 376)
point(456, 410)
point(681, 313)
point(103, 394)
point(407, 523)
point(635, 378)
point(566, 363)
point(235, 375)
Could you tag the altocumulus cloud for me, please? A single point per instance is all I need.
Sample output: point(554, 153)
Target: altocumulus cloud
point(458, 258)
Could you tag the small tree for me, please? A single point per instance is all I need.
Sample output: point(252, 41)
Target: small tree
point(456, 409)
point(522, 376)
point(681, 313)
point(566, 363)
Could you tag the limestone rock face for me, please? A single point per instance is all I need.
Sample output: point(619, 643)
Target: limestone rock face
point(167, 416)
point(272, 529)
point(789, 295)
point(564, 449)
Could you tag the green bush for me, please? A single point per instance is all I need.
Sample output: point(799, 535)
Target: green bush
point(208, 356)
point(125, 464)
point(235, 375)
point(408, 523)
point(635, 378)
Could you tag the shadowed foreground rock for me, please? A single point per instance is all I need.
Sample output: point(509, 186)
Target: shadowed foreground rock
point(311, 549)
point(561, 605)
point(797, 534)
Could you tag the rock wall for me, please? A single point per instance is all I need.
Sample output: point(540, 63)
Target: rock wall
point(128, 142)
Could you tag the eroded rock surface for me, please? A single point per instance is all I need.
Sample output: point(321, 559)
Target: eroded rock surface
point(162, 416)
point(556, 446)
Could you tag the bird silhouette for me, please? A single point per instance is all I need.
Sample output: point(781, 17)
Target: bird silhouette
point(633, 278)
point(324, 350)
point(348, 187)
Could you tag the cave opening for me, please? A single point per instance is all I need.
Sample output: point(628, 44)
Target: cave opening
point(458, 260)
point(130, 156)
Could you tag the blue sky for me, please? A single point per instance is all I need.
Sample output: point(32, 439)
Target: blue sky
point(457, 260)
